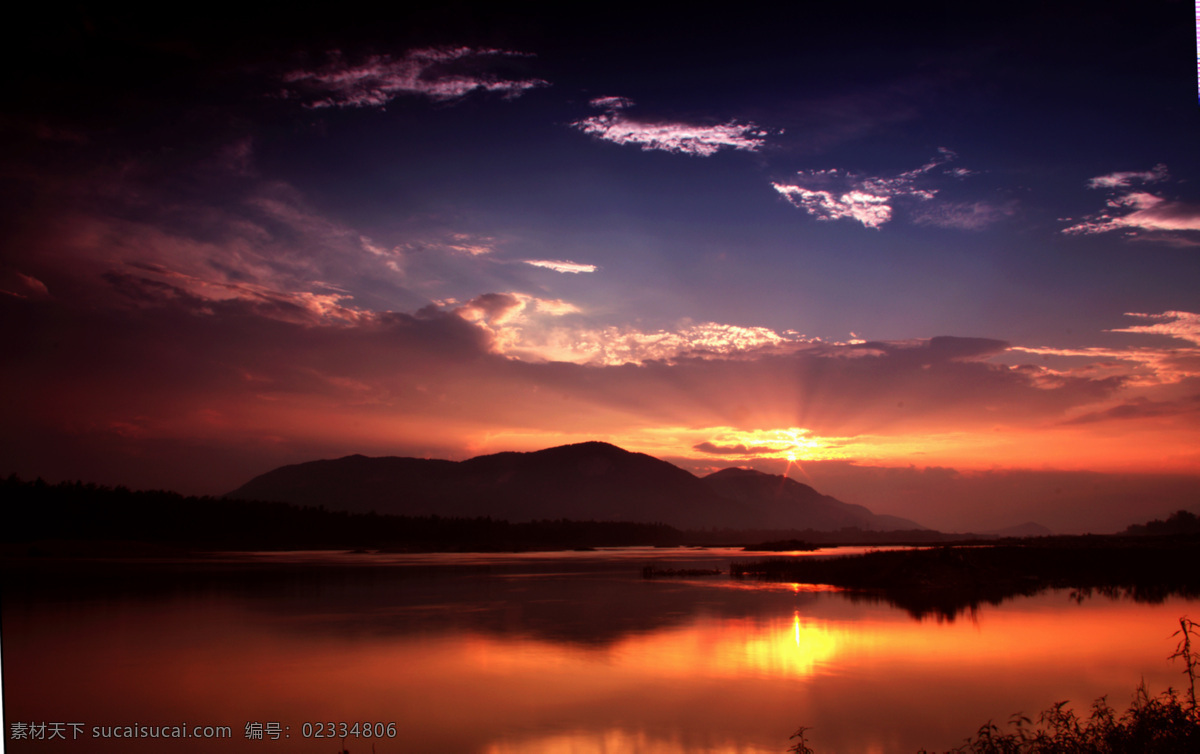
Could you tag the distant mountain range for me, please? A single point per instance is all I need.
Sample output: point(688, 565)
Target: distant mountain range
point(592, 481)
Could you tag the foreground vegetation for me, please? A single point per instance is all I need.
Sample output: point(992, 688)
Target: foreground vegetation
point(1166, 724)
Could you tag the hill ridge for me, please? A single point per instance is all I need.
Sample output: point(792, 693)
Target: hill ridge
point(591, 480)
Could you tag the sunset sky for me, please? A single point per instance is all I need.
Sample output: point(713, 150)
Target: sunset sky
point(942, 262)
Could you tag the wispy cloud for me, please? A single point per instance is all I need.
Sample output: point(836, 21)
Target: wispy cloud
point(836, 194)
point(1142, 408)
point(1128, 178)
point(1140, 366)
point(1139, 214)
point(963, 215)
point(1181, 325)
point(19, 284)
point(560, 265)
point(667, 136)
point(611, 103)
point(1141, 211)
point(438, 73)
point(451, 244)
point(256, 245)
point(155, 285)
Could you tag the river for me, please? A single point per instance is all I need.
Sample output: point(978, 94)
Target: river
point(536, 653)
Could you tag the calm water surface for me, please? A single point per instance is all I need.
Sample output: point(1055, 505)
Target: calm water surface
point(548, 652)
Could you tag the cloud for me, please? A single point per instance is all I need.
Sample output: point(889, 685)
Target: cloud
point(617, 345)
point(869, 209)
point(210, 235)
point(944, 155)
point(453, 244)
point(611, 103)
point(1139, 214)
point(513, 320)
point(963, 215)
point(790, 443)
point(266, 246)
point(1140, 366)
point(1121, 180)
point(525, 327)
point(440, 74)
point(1142, 408)
point(153, 285)
point(1181, 325)
point(665, 136)
point(559, 265)
point(1142, 211)
point(19, 284)
point(733, 450)
point(836, 194)
point(493, 308)
point(1156, 214)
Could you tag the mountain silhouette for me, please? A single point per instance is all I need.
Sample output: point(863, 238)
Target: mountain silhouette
point(591, 481)
point(783, 503)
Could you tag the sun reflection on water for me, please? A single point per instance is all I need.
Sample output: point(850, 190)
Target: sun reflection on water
point(618, 740)
point(722, 672)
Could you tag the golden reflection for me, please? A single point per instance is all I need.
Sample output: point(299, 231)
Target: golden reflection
point(715, 677)
point(617, 740)
point(714, 649)
point(800, 646)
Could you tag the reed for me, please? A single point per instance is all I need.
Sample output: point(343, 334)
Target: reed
point(1165, 724)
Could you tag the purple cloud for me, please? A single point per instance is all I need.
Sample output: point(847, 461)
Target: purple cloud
point(1139, 213)
point(872, 210)
point(1122, 180)
point(611, 103)
point(683, 138)
point(560, 265)
point(440, 74)
point(838, 194)
point(964, 215)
